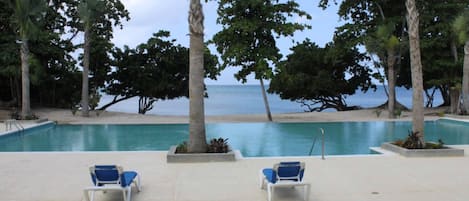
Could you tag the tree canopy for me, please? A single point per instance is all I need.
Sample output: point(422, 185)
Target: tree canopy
point(156, 70)
point(321, 78)
point(250, 28)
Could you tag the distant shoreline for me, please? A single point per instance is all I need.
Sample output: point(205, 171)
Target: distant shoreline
point(65, 116)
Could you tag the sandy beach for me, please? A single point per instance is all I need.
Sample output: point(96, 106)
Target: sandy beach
point(65, 116)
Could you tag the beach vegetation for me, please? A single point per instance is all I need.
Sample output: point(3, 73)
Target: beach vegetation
point(441, 54)
point(248, 36)
point(94, 14)
point(378, 112)
point(461, 29)
point(316, 77)
point(153, 71)
point(27, 15)
point(397, 112)
point(54, 75)
point(426, 25)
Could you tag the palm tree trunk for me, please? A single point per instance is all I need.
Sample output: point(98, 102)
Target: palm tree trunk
point(85, 96)
point(465, 79)
point(197, 138)
point(416, 69)
point(25, 98)
point(391, 84)
point(454, 89)
point(266, 102)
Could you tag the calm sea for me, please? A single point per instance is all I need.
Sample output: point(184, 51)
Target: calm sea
point(247, 99)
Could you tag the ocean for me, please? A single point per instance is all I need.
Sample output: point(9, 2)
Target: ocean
point(247, 99)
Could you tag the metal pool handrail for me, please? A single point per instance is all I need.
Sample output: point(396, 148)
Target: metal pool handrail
point(10, 122)
point(322, 144)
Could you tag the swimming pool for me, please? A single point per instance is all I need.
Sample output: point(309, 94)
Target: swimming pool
point(252, 139)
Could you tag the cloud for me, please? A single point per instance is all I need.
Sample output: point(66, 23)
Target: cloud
point(148, 17)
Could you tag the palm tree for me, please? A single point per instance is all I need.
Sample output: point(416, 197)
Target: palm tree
point(197, 138)
point(461, 25)
point(87, 11)
point(416, 69)
point(385, 45)
point(27, 14)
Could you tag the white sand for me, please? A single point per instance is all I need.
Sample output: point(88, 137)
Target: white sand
point(66, 116)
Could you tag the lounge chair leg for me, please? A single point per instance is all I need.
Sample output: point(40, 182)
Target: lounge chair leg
point(306, 191)
point(270, 192)
point(261, 180)
point(85, 194)
point(138, 183)
point(129, 192)
point(124, 195)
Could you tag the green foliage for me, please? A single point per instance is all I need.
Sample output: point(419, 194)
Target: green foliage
point(413, 141)
point(439, 145)
point(90, 10)
point(461, 27)
point(74, 110)
point(398, 112)
point(28, 15)
point(182, 148)
point(54, 76)
point(94, 99)
point(219, 145)
point(378, 112)
point(380, 24)
point(156, 70)
point(247, 39)
point(441, 114)
point(318, 75)
point(100, 16)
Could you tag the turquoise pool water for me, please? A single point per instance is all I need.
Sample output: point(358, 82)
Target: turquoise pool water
point(252, 139)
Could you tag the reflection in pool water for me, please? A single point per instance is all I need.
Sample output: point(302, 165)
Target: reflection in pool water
point(252, 139)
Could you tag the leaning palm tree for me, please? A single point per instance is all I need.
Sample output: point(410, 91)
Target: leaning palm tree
point(27, 14)
point(197, 138)
point(461, 27)
point(87, 12)
point(416, 69)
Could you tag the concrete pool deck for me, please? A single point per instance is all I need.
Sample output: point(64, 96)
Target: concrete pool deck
point(61, 176)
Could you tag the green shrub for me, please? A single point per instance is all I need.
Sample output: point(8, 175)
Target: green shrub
point(413, 141)
point(441, 114)
point(377, 112)
point(397, 112)
point(74, 109)
point(182, 148)
point(219, 145)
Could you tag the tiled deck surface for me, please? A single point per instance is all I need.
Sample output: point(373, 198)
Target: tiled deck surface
point(62, 176)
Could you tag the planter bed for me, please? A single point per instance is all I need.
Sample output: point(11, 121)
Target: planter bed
point(444, 152)
point(173, 157)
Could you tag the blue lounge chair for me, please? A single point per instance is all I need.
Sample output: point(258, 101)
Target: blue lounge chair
point(284, 174)
point(112, 177)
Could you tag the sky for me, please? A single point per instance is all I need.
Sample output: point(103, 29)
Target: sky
point(150, 16)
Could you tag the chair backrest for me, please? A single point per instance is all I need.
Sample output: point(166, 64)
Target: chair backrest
point(293, 171)
point(106, 174)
